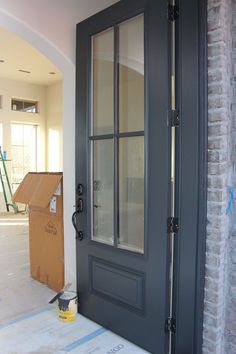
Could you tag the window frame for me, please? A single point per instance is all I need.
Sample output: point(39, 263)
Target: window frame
point(24, 102)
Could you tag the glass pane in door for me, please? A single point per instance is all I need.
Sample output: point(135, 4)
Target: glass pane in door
point(131, 193)
point(117, 186)
point(103, 191)
point(131, 75)
point(102, 82)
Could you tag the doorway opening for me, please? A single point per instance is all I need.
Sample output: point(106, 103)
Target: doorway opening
point(31, 140)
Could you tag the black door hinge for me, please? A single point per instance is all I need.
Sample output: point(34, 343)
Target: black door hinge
point(172, 225)
point(174, 118)
point(173, 12)
point(170, 325)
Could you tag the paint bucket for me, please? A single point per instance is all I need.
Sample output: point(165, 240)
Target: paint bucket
point(67, 306)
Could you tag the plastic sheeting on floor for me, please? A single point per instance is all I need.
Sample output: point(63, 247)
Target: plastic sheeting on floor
point(41, 332)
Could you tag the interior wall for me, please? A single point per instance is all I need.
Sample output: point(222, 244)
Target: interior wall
point(49, 121)
point(15, 89)
point(54, 125)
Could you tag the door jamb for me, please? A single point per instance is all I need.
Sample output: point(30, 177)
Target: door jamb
point(192, 159)
point(202, 193)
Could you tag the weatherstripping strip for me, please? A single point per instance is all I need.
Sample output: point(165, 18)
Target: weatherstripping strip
point(84, 340)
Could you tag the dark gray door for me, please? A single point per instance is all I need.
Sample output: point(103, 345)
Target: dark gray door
point(122, 162)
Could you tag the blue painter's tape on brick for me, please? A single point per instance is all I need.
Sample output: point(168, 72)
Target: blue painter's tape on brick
point(84, 340)
point(231, 203)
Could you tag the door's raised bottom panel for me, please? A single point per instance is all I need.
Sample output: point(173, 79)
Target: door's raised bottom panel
point(117, 283)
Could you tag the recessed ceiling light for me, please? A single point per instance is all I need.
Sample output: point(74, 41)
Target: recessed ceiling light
point(2, 61)
point(25, 71)
point(52, 73)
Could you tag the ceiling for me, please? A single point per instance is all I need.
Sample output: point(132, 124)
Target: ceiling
point(17, 54)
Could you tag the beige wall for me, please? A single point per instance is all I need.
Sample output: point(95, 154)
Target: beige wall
point(15, 89)
point(48, 119)
point(54, 128)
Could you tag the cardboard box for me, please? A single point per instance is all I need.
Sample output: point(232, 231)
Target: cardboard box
point(44, 195)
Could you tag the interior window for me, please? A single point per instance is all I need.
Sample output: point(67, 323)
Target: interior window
point(23, 151)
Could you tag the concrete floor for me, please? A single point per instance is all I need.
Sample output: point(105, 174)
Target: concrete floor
point(18, 291)
point(27, 323)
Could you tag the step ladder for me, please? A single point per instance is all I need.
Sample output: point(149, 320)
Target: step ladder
point(6, 187)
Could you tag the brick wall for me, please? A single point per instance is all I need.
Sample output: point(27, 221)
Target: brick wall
point(230, 328)
point(219, 336)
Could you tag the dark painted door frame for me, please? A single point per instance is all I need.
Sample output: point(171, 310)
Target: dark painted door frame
point(192, 173)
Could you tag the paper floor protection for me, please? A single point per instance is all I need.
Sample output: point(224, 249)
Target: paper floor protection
point(40, 332)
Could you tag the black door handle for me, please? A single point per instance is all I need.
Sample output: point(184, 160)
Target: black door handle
point(79, 209)
point(79, 233)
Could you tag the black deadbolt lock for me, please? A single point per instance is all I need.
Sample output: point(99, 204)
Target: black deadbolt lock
point(80, 189)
